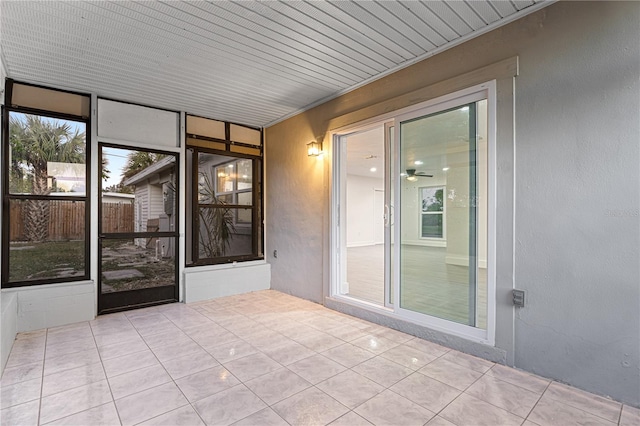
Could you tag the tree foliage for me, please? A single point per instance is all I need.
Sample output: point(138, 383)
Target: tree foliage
point(36, 141)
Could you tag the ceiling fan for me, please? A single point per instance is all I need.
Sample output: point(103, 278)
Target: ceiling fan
point(412, 175)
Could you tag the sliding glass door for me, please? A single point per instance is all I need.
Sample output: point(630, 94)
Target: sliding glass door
point(426, 174)
point(443, 228)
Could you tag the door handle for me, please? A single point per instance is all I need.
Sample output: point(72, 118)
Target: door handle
point(386, 215)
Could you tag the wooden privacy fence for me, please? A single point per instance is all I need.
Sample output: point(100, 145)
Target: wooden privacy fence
point(66, 219)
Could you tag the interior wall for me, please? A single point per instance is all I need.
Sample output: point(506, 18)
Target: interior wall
point(576, 175)
point(360, 209)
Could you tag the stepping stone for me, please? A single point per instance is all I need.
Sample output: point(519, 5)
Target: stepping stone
point(122, 274)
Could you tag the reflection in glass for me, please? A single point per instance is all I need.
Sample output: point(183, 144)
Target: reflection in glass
point(223, 184)
point(134, 264)
point(443, 256)
point(47, 156)
point(222, 234)
point(60, 253)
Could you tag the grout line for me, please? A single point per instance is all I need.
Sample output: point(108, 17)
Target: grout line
point(44, 356)
point(113, 400)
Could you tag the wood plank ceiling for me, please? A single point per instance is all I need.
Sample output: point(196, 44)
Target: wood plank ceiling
point(250, 62)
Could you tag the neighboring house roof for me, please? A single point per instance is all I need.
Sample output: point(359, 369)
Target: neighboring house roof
point(118, 195)
point(162, 165)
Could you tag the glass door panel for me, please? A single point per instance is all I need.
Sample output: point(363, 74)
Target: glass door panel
point(364, 215)
point(443, 229)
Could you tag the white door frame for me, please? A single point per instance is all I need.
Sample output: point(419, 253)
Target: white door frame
point(482, 91)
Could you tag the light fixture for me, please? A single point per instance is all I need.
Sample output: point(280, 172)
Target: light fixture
point(412, 178)
point(373, 169)
point(418, 163)
point(314, 149)
point(444, 169)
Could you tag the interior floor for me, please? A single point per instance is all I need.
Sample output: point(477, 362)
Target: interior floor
point(429, 284)
point(267, 358)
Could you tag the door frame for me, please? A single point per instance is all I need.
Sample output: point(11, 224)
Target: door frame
point(482, 91)
point(136, 299)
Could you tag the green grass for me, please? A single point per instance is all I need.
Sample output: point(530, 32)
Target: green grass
point(35, 261)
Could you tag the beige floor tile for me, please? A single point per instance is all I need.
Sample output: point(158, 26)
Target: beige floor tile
point(66, 348)
point(177, 350)
point(346, 333)
point(348, 355)
point(439, 421)
point(252, 366)
point(277, 385)
point(512, 398)
point(468, 361)
point(450, 373)
point(122, 349)
point(320, 341)
point(162, 339)
point(102, 415)
point(73, 378)
point(630, 416)
point(226, 352)
point(68, 362)
point(408, 356)
point(519, 378)
point(382, 371)
point(596, 405)
point(549, 412)
point(350, 388)
point(136, 408)
point(22, 373)
point(264, 417)
point(350, 419)
point(183, 416)
point(393, 335)
point(467, 410)
point(116, 337)
point(34, 344)
point(229, 406)
point(138, 381)
point(19, 393)
point(189, 364)
point(23, 357)
point(288, 353)
point(24, 414)
point(127, 363)
point(310, 407)
point(316, 368)
point(427, 347)
point(206, 383)
point(389, 408)
point(375, 344)
point(425, 391)
point(64, 404)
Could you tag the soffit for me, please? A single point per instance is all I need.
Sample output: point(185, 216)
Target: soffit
point(249, 62)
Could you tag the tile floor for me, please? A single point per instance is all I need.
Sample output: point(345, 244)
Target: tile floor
point(267, 358)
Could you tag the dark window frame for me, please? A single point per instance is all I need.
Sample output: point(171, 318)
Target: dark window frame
point(257, 208)
point(257, 191)
point(7, 197)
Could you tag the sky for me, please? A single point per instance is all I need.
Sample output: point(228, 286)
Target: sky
point(116, 157)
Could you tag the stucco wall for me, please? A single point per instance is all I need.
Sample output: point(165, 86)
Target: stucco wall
point(577, 231)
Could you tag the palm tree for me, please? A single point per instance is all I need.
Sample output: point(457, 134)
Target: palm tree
point(137, 161)
point(35, 141)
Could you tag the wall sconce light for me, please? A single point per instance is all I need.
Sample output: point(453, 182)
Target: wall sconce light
point(314, 149)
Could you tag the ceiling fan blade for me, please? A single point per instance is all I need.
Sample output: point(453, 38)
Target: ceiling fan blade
point(423, 174)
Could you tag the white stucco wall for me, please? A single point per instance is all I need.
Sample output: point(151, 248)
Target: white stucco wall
point(573, 170)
